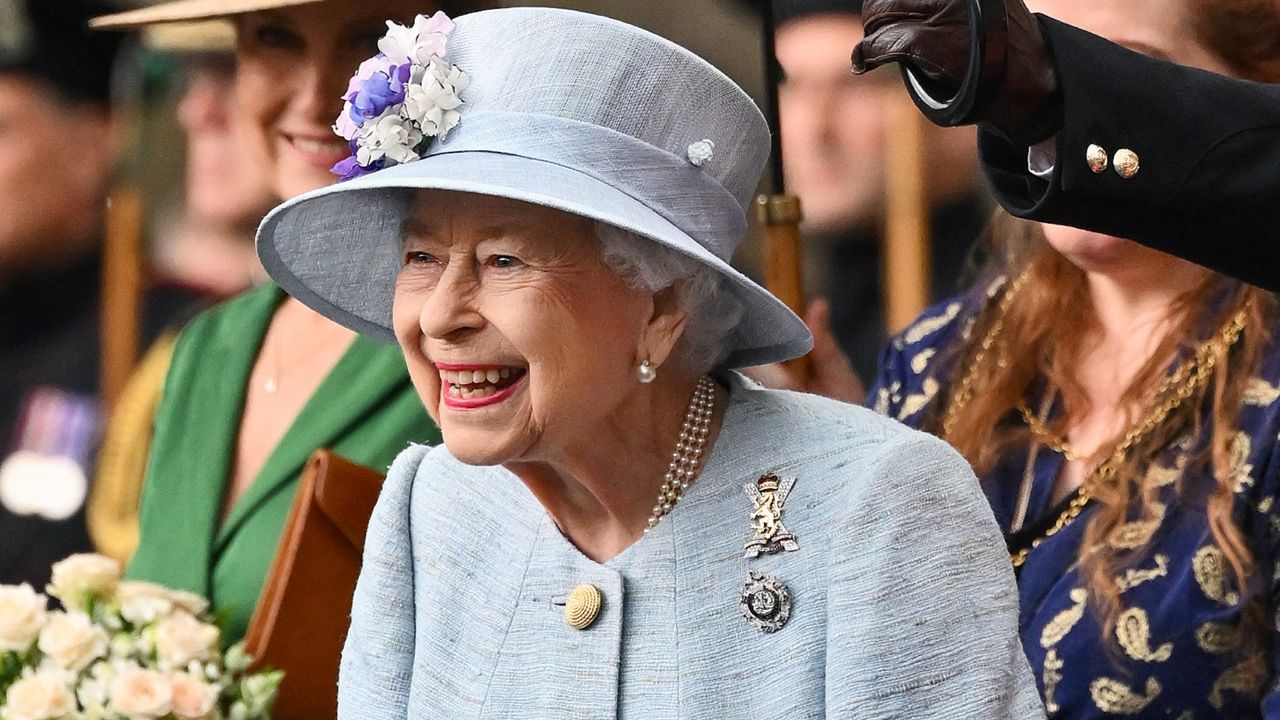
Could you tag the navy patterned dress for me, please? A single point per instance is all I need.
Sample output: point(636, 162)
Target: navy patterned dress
point(1177, 651)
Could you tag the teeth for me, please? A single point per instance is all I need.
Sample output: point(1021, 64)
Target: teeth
point(316, 146)
point(504, 373)
point(493, 376)
point(478, 376)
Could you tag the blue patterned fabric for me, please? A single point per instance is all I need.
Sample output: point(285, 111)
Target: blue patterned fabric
point(902, 605)
point(1176, 652)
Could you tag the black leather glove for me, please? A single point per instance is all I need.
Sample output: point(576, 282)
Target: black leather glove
point(934, 41)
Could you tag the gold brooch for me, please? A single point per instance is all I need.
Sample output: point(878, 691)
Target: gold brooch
point(768, 494)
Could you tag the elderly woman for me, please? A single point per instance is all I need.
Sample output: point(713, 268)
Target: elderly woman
point(618, 525)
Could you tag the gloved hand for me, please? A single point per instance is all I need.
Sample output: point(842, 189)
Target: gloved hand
point(931, 38)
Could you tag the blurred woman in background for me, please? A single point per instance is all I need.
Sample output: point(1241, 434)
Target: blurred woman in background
point(258, 383)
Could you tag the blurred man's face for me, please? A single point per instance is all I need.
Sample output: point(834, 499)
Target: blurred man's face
point(832, 122)
point(55, 159)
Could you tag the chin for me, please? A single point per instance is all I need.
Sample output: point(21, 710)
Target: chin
point(294, 179)
point(472, 450)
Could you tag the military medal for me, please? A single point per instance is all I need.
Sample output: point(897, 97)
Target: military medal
point(768, 494)
point(765, 602)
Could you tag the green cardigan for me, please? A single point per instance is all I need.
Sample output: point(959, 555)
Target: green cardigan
point(365, 410)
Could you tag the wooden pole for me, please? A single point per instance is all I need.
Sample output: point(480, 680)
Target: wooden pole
point(784, 273)
point(121, 291)
point(906, 225)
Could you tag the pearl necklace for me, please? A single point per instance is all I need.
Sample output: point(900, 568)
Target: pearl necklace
point(685, 460)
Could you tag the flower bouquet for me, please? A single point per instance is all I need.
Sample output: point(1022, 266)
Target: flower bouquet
point(120, 650)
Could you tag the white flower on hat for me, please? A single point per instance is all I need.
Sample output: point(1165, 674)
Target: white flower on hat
point(700, 152)
point(433, 96)
point(39, 696)
point(392, 137)
point(22, 615)
point(417, 44)
point(72, 640)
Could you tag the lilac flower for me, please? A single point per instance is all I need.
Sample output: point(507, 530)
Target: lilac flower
point(418, 44)
point(378, 93)
point(351, 169)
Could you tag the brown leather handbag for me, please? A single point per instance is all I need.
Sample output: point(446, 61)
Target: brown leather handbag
point(301, 619)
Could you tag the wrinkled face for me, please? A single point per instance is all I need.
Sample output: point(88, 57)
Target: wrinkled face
point(520, 341)
point(832, 122)
point(55, 160)
point(292, 71)
point(1160, 28)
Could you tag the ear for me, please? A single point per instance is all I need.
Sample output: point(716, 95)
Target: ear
point(664, 327)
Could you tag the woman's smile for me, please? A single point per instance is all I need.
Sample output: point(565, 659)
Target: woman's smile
point(467, 387)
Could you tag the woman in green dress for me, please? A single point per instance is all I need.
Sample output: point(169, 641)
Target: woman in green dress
point(258, 383)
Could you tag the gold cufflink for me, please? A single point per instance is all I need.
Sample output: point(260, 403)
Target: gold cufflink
point(1126, 163)
point(583, 606)
point(1096, 155)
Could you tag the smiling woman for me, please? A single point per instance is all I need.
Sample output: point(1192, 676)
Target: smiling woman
point(617, 523)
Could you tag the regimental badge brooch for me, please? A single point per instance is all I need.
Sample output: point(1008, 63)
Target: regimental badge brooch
point(765, 602)
point(768, 494)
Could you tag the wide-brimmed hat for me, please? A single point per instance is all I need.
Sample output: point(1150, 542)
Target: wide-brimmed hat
point(570, 111)
point(184, 10)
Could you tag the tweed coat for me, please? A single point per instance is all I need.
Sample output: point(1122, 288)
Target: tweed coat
point(903, 601)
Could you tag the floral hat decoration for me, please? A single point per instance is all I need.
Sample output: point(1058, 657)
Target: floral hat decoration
point(400, 99)
point(552, 107)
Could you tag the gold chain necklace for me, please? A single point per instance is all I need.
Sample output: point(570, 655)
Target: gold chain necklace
point(1181, 384)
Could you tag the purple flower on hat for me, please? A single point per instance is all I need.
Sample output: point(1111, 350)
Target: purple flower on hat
point(379, 92)
point(401, 99)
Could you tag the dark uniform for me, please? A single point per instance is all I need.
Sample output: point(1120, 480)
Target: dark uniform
point(50, 417)
point(1207, 182)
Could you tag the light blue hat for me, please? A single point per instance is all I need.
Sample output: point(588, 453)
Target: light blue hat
point(570, 111)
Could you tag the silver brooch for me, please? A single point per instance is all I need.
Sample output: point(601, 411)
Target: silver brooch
point(765, 602)
point(700, 152)
point(768, 494)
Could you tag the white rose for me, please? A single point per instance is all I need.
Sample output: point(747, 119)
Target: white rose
point(38, 697)
point(22, 614)
point(80, 577)
point(72, 640)
point(391, 136)
point(141, 694)
point(142, 603)
point(189, 601)
point(181, 638)
point(192, 699)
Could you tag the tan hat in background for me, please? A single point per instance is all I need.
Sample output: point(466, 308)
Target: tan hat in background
point(196, 36)
point(186, 10)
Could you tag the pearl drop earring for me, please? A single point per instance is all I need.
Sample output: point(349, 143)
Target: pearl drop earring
point(645, 372)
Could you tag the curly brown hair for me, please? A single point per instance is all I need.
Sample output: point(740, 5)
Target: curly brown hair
point(1044, 338)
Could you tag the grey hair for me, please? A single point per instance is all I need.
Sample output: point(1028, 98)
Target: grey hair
point(713, 311)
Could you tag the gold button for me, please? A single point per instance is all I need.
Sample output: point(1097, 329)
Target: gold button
point(583, 606)
point(1126, 163)
point(1097, 158)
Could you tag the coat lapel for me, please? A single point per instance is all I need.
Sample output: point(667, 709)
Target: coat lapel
point(366, 376)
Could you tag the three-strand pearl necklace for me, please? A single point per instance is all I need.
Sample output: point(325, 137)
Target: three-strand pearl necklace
point(688, 453)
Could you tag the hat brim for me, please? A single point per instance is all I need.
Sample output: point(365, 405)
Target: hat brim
point(184, 10)
point(338, 249)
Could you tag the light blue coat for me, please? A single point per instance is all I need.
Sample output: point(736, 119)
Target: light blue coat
point(904, 603)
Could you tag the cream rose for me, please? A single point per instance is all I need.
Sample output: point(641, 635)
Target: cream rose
point(180, 638)
point(72, 640)
point(38, 697)
point(22, 614)
point(192, 699)
point(79, 577)
point(141, 694)
point(189, 601)
point(142, 603)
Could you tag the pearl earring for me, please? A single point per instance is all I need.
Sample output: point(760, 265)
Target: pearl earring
point(645, 372)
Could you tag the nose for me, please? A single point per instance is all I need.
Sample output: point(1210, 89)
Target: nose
point(204, 105)
point(451, 310)
point(318, 94)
